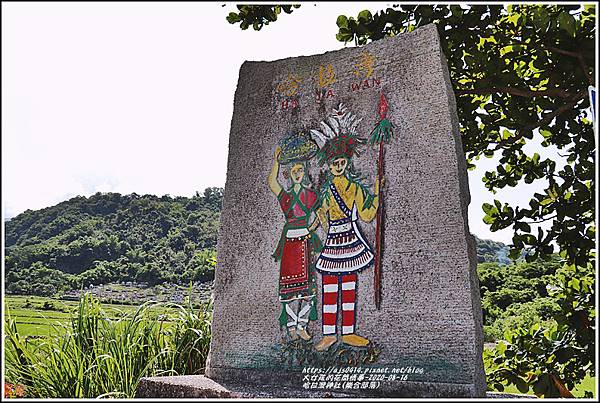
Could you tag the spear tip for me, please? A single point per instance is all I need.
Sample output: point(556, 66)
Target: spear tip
point(383, 106)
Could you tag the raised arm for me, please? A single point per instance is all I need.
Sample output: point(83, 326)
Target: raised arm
point(273, 183)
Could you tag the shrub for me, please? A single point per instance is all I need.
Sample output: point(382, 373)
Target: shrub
point(99, 357)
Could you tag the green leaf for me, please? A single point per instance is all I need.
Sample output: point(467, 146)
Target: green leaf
point(566, 22)
point(489, 208)
point(232, 18)
point(342, 21)
point(488, 220)
point(344, 37)
point(564, 354)
point(501, 347)
point(508, 335)
point(456, 10)
point(540, 18)
point(365, 16)
point(521, 385)
point(514, 19)
point(574, 283)
point(522, 226)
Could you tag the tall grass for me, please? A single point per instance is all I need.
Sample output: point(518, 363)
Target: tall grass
point(99, 357)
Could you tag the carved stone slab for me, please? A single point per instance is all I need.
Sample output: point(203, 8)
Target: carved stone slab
point(426, 337)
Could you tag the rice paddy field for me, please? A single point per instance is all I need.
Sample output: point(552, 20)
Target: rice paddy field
point(41, 316)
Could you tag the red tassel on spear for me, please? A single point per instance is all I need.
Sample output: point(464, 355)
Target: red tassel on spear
point(382, 133)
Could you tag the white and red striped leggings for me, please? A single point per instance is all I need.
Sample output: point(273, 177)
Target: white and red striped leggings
point(331, 285)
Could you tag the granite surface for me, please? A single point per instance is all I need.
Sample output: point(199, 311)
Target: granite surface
point(430, 316)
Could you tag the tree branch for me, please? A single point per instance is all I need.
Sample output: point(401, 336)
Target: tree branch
point(548, 118)
point(578, 56)
point(560, 51)
point(539, 221)
point(553, 49)
point(520, 92)
point(586, 69)
point(542, 122)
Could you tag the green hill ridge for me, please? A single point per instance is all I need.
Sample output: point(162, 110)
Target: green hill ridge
point(109, 237)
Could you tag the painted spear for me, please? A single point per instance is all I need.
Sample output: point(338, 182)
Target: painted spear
point(382, 133)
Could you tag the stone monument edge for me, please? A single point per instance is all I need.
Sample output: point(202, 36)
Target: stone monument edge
point(465, 200)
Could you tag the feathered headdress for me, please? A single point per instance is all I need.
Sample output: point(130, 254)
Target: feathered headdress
point(338, 135)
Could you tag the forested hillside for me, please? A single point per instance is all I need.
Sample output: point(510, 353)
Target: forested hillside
point(110, 237)
point(489, 251)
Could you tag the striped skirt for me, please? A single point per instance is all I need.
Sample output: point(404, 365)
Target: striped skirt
point(345, 250)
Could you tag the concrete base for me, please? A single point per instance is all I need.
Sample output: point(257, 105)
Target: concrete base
point(180, 386)
point(199, 386)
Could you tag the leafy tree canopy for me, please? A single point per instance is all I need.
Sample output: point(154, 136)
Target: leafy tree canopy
point(258, 16)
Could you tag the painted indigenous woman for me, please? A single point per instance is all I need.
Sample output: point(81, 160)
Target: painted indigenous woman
point(298, 240)
point(343, 200)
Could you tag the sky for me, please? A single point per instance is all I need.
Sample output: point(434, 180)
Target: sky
point(138, 97)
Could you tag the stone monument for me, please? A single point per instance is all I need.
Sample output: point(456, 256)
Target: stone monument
point(345, 262)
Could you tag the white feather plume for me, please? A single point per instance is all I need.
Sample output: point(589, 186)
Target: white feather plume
point(340, 121)
point(318, 137)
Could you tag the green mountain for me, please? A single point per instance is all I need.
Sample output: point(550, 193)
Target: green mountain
point(489, 251)
point(110, 237)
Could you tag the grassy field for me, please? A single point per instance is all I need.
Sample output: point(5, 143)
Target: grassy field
point(41, 316)
point(60, 349)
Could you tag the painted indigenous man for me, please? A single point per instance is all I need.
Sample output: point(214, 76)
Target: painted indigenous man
point(345, 253)
point(298, 241)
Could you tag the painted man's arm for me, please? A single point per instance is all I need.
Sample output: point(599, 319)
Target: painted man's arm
point(368, 213)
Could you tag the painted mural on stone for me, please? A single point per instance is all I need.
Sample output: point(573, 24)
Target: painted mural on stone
point(298, 241)
point(342, 201)
point(336, 310)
